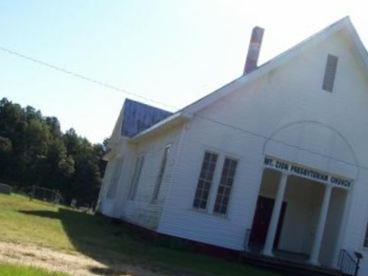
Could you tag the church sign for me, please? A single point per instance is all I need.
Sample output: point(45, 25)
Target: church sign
point(302, 171)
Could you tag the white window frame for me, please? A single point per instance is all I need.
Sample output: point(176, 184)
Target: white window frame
point(114, 180)
point(161, 173)
point(223, 186)
point(209, 182)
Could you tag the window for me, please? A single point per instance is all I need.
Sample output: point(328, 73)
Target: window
point(205, 180)
point(366, 237)
point(135, 178)
point(115, 178)
point(224, 189)
point(161, 173)
point(330, 72)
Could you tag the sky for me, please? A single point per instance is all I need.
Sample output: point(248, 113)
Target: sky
point(170, 52)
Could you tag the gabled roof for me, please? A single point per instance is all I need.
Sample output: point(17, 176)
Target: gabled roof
point(138, 117)
point(281, 59)
point(342, 24)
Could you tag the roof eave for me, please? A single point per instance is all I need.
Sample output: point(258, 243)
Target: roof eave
point(358, 42)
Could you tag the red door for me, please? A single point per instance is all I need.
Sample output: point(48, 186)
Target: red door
point(261, 221)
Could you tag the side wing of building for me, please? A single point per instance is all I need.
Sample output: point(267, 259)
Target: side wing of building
point(138, 174)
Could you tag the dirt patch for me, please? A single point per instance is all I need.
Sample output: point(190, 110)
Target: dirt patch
point(74, 264)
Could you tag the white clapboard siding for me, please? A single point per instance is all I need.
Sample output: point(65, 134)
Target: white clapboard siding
point(287, 103)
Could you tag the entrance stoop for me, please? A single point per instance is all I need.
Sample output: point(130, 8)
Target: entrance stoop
point(286, 266)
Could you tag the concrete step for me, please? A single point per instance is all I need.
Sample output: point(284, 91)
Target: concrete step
point(287, 267)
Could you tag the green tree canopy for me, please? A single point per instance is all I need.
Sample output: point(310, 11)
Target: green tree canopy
point(34, 151)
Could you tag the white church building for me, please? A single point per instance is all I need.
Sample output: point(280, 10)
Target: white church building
point(274, 162)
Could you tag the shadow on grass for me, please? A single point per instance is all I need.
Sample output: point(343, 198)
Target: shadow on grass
point(99, 238)
point(112, 244)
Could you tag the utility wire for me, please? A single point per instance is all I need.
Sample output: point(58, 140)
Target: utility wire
point(80, 76)
point(126, 92)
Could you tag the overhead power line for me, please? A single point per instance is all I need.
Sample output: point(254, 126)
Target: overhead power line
point(126, 92)
point(81, 76)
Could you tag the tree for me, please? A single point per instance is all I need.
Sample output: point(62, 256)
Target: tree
point(5, 145)
point(34, 151)
point(6, 148)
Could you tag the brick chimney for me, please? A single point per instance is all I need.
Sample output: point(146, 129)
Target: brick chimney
point(253, 50)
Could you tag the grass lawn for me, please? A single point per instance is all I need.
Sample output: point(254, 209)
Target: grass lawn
point(34, 222)
point(11, 270)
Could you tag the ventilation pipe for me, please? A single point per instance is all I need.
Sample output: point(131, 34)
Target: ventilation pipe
point(253, 50)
